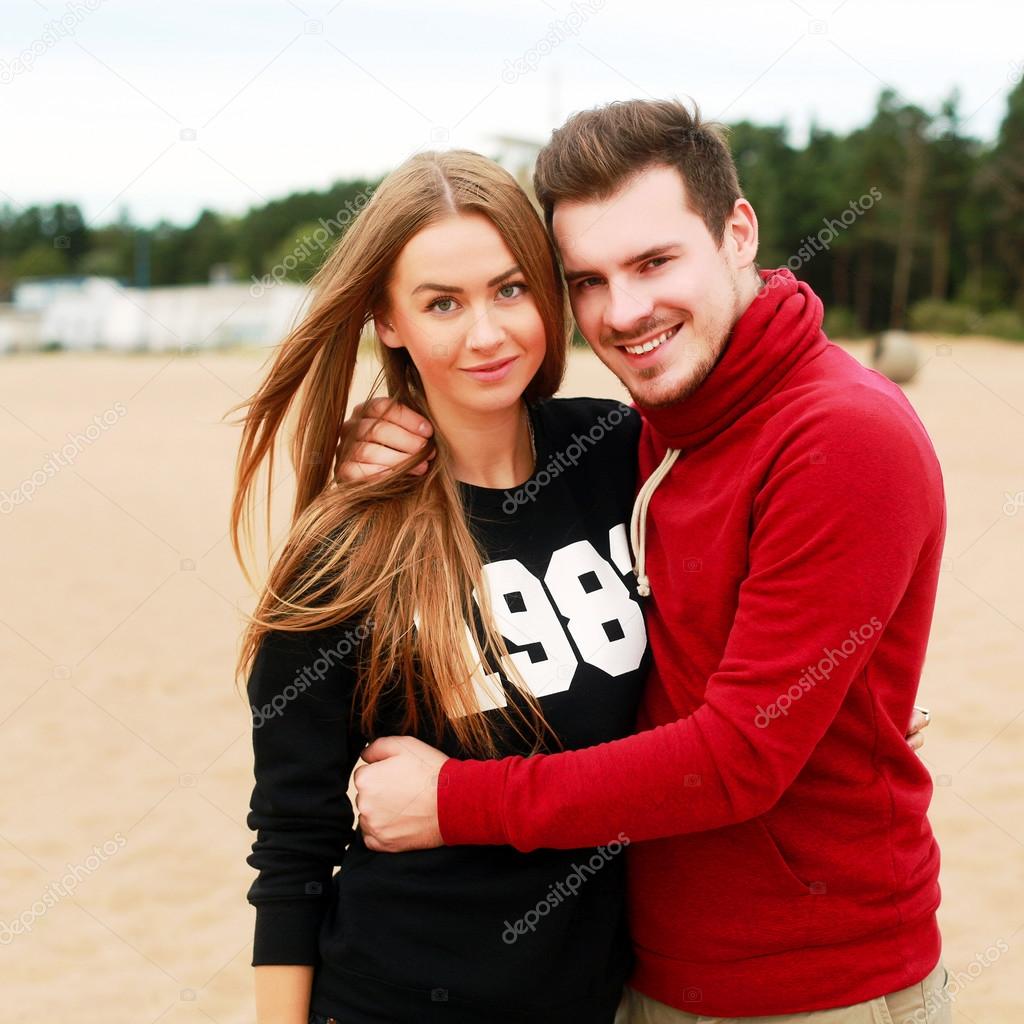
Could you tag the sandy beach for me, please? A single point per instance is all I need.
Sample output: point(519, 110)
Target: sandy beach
point(125, 771)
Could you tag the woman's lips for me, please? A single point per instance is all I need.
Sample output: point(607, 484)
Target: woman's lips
point(489, 372)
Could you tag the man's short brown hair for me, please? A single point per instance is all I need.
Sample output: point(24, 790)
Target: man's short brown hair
point(597, 151)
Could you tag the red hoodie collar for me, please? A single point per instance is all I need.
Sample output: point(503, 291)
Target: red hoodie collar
point(780, 327)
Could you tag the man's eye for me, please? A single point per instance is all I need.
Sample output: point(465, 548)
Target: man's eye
point(588, 282)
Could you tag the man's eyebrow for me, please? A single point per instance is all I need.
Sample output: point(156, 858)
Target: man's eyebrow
point(431, 287)
point(632, 261)
point(649, 254)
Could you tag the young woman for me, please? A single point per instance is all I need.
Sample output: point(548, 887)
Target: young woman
point(481, 600)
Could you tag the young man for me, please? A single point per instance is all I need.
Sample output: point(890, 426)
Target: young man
point(789, 533)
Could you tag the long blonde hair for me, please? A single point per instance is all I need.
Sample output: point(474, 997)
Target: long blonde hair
point(393, 550)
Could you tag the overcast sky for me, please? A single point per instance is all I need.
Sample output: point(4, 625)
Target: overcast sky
point(169, 107)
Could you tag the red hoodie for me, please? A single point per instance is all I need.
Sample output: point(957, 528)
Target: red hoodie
point(781, 859)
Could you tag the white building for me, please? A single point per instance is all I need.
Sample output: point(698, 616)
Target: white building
point(99, 312)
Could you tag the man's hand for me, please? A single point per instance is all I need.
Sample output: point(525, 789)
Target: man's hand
point(396, 790)
point(920, 719)
point(396, 795)
point(386, 434)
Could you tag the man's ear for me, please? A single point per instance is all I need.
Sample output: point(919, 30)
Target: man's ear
point(741, 232)
point(386, 331)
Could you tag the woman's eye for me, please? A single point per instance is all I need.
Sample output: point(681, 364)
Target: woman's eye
point(442, 305)
point(515, 287)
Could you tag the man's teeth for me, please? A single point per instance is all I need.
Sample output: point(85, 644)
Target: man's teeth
point(650, 346)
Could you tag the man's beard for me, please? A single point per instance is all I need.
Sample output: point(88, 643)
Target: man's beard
point(712, 347)
point(684, 389)
point(712, 342)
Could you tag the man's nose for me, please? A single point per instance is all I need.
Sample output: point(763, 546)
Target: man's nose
point(625, 309)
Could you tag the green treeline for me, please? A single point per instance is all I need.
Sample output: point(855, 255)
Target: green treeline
point(908, 221)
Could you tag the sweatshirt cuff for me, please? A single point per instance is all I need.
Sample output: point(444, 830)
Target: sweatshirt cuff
point(470, 799)
point(288, 933)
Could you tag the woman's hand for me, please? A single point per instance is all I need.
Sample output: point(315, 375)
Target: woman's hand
point(386, 433)
point(919, 721)
point(396, 795)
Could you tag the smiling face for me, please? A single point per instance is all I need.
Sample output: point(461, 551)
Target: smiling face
point(652, 291)
point(461, 308)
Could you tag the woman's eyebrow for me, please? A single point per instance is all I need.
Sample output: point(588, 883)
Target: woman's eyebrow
point(430, 286)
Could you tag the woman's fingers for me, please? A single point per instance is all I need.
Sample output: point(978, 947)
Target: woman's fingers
point(919, 720)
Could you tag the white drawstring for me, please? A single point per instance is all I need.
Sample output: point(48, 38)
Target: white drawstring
point(638, 521)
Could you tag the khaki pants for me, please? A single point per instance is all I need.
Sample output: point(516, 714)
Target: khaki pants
point(927, 1002)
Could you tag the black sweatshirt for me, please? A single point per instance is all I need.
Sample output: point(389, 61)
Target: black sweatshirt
point(470, 933)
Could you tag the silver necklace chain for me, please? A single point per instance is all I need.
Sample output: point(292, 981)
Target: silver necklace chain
point(533, 441)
